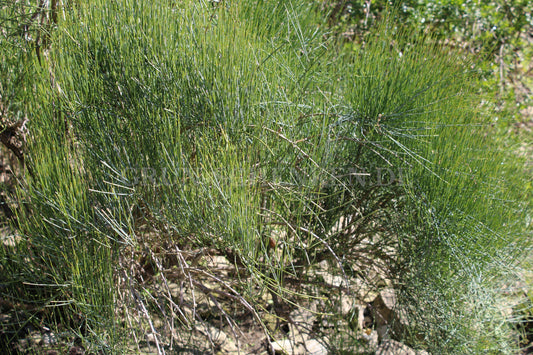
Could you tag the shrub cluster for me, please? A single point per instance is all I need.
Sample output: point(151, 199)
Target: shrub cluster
point(161, 132)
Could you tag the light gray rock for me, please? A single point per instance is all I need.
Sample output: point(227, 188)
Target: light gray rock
point(314, 347)
point(231, 348)
point(371, 339)
point(145, 350)
point(174, 289)
point(393, 347)
point(367, 295)
point(283, 346)
point(218, 336)
point(219, 264)
point(347, 305)
point(49, 338)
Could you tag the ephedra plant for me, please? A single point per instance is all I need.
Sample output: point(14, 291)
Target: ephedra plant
point(222, 164)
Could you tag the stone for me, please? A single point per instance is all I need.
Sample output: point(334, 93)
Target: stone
point(174, 289)
point(146, 350)
point(322, 266)
point(336, 281)
point(386, 312)
point(347, 305)
point(314, 347)
point(49, 339)
point(157, 322)
point(393, 347)
point(219, 261)
point(333, 280)
point(329, 322)
point(367, 295)
point(371, 338)
point(298, 346)
point(230, 347)
point(217, 336)
point(284, 346)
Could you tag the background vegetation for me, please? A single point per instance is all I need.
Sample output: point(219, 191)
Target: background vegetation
point(279, 137)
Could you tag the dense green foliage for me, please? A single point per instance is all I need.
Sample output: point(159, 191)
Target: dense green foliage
point(182, 126)
point(498, 32)
point(478, 23)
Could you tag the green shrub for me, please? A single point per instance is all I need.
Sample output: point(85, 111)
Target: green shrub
point(163, 131)
point(488, 24)
point(497, 31)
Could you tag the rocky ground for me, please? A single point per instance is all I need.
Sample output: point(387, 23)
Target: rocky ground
point(346, 319)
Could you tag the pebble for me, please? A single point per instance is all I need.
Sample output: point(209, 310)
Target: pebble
point(390, 346)
point(217, 336)
point(315, 348)
point(284, 346)
point(49, 338)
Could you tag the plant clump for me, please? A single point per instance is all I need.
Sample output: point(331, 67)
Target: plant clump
point(202, 172)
